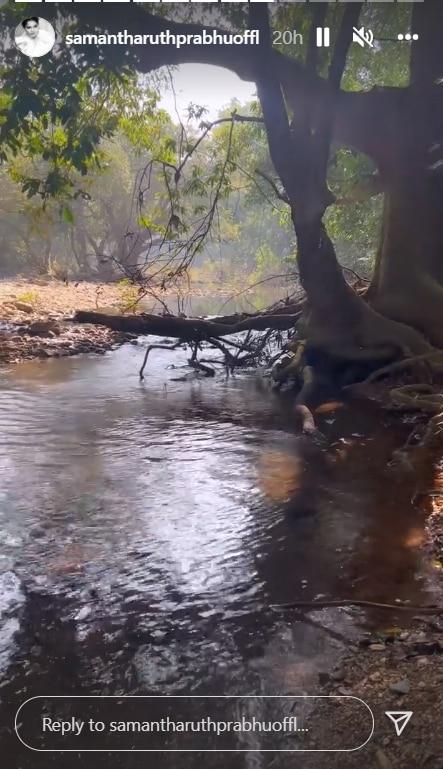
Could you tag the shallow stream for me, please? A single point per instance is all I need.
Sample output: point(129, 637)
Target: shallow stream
point(147, 528)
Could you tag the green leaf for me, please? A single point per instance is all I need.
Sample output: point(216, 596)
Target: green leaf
point(67, 215)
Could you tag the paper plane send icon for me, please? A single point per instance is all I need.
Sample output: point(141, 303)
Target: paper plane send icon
point(400, 719)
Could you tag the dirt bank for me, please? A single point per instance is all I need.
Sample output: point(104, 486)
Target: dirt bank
point(394, 671)
point(33, 319)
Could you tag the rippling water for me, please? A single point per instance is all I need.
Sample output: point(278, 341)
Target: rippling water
point(146, 528)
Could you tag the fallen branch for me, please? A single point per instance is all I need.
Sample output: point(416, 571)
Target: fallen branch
point(157, 347)
point(186, 329)
point(199, 366)
point(194, 363)
point(314, 605)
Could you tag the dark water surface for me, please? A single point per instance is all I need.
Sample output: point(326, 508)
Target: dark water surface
point(145, 530)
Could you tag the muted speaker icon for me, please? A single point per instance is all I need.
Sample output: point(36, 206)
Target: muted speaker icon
point(363, 37)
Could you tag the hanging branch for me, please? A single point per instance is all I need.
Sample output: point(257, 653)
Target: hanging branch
point(278, 194)
point(234, 118)
point(174, 256)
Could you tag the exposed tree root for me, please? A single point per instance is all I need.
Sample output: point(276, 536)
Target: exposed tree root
point(290, 365)
point(307, 419)
point(352, 330)
point(304, 396)
point(418, 397)
point(425, 365)
point(414, 457)
point(364, 334)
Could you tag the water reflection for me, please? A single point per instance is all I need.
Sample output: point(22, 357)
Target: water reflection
point(245, 300)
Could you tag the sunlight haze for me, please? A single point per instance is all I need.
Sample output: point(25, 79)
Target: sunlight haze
point(210, 87)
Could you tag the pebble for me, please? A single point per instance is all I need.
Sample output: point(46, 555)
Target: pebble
point(338, 675)
point(401, 687)
point(383, 761)
point(23, 307)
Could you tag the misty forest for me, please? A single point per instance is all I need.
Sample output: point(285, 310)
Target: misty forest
point(328, 184)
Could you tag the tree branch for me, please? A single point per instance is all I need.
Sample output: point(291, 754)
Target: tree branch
point(280, 195)
point(372, 122)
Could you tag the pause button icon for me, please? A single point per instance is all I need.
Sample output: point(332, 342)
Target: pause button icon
point(323, 37)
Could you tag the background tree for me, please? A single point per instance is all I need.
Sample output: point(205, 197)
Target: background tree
point(397, 127)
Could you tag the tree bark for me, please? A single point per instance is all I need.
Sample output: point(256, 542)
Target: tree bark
point(407, 279)
point(336, 318)
point(408, 273)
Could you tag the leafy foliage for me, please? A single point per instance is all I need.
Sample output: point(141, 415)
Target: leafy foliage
point(96, 173)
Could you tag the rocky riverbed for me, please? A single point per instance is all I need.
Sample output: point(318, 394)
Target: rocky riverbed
point(34, 319)
point(395, 670)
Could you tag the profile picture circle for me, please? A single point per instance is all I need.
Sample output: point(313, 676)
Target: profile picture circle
point(34, 36)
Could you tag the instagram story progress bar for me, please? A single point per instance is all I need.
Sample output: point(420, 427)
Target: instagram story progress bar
point(215, 1)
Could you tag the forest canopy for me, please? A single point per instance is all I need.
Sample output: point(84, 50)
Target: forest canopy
point(72, 165)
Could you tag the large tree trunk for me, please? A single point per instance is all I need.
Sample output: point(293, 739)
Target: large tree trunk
point(408, 273)
point(409, 268)
point(337, 319)
point(396, 127)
